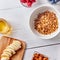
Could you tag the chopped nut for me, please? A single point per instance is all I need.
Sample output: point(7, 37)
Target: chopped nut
point(38, 56)
point(46, 22)
point(45, 58)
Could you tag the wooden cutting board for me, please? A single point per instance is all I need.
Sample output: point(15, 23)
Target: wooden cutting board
point(5, 41)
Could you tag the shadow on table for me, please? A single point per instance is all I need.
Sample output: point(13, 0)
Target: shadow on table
point(56, 37)
point(38, 2)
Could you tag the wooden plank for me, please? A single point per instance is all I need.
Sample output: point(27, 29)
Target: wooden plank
point(52, 52)
point(9, 4)
point(19, 20)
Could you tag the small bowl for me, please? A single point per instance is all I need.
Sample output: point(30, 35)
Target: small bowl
point(5, 27)
point(25, 4)
point(34, 15)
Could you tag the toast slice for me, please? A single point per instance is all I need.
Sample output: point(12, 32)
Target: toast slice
point(5, 41)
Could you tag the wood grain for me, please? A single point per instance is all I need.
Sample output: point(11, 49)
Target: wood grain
point(5, 41)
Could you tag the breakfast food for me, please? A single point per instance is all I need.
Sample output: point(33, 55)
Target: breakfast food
point(10, 50)
point(28, 2)
point(46, 22)
point(5, 28)
point(38, 56)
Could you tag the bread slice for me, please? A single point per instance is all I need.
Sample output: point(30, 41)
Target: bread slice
point(5, 41)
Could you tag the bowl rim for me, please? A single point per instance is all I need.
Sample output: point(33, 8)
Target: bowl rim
point(47, 5)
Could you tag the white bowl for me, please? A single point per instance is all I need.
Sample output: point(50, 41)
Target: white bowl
point(34, 15)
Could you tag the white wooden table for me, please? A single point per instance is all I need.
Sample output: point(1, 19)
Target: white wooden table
point(18, 17)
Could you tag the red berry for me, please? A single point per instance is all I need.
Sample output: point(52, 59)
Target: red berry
point(29, 4)
point(23, 1)
point(27, 1)
point(33, 0)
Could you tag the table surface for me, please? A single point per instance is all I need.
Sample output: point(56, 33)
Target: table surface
point(18, 17)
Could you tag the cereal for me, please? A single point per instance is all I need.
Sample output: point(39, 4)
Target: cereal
point(38, 56)
point(46, 22)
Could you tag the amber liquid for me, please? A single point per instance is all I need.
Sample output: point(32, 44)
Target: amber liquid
point(5, 28)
